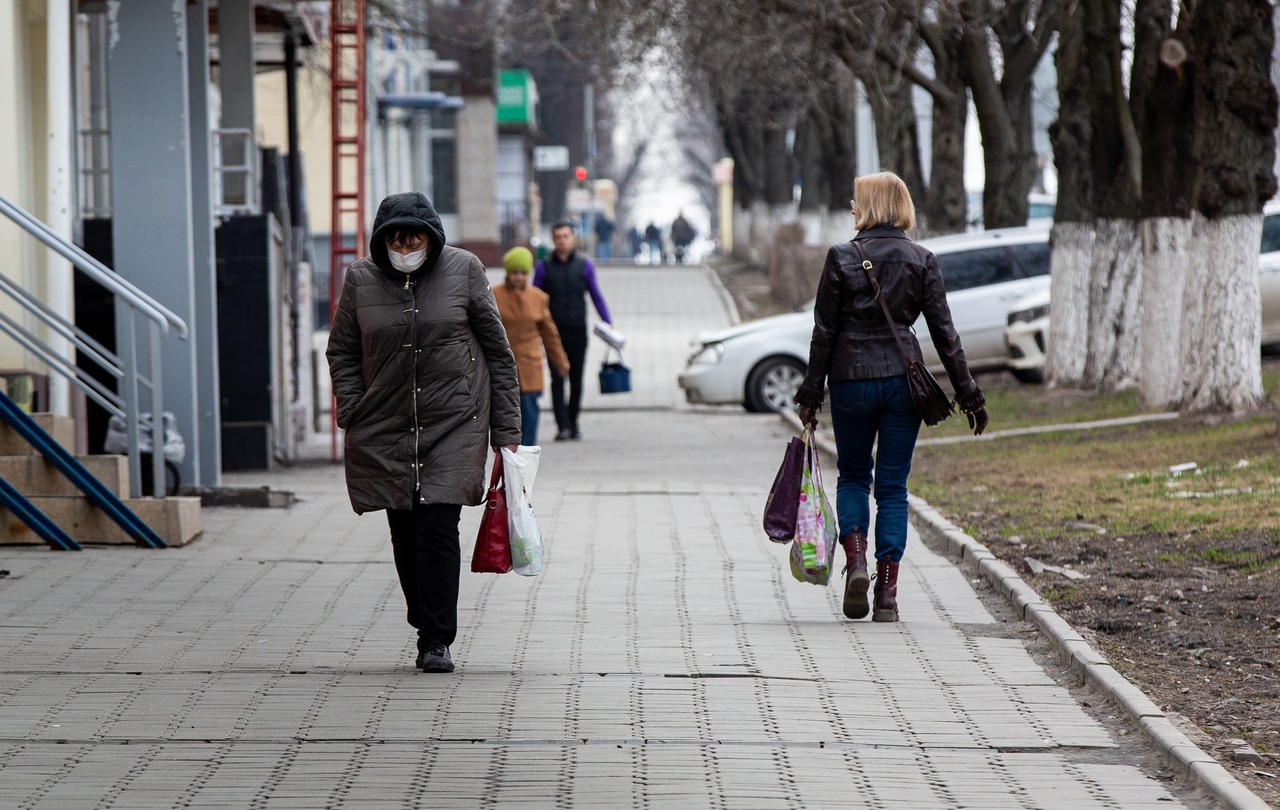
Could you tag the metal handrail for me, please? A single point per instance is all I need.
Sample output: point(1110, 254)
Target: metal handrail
point(123, 365)
point(96, 352)
point(113, 281)
point(104, 396)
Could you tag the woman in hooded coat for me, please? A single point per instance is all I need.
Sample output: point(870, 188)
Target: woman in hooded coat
point(425, 383)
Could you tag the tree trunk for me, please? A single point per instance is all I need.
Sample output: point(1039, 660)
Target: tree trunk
point(1162, 92)
point(1222, 342)
point(841, 153)
point(1235, 105)
point(1166, 243)
point(1072, 236)
point(1115, 305)
point(1115, 277)
point(1010, 167)
point(945, 206)
point(808, 154)
point(1004, 105)
point(779, 179)
point(756, 140)
point(1071, 245)
point(826, 150)
point(897, 132)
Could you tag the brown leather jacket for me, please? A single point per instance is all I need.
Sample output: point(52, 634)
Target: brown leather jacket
point(852, 340)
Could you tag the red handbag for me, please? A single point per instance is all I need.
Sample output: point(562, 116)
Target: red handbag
point(493, 543)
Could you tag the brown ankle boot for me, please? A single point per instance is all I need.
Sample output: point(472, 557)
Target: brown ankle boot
point(886, 592)
point(855, 575)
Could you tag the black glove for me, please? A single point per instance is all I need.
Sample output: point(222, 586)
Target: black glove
point(971, 401)
point(808, 416)
point(809, 398)
point(977, 420)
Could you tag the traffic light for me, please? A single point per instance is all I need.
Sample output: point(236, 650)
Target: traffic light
point(580, 174)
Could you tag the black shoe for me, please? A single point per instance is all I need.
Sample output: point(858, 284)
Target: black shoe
point(576, 435)
point(564, 435)
point(436, 659)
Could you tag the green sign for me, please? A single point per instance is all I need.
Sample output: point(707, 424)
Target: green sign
point(517, 97)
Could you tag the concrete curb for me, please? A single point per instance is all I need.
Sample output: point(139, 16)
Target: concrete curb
point(1181, 753)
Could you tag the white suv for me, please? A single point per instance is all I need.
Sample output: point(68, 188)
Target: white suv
point(760, 363)
point(1027, 333)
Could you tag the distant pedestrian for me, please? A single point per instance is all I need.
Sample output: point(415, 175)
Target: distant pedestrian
point(604, 237)
point(425, 383)
point(530, 329)
point(682, 235)
point(568, 277)
point(653, 235)
point(854, 349)
point(634, 240)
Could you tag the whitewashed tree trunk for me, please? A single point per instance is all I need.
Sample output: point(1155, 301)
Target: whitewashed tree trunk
point(1115, 306)
point(1069, 303)
point(1165, 244)
point(1222, 338)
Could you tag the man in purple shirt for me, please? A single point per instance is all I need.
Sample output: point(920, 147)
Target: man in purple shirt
point(568, 277)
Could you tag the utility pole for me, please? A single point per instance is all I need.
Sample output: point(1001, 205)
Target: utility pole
point(589, 123)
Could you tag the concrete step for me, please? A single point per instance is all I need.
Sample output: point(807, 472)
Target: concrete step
point(177, 520)
point(32, 475)
point(62, 428)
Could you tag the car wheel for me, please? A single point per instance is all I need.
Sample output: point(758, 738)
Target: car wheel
point(772, 384)
point(1031, 376)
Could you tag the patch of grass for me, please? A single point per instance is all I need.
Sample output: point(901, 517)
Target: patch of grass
point(1060, 594)
point(1118, 479)
point(1030, 405)
point(1249, 561)
point(1215, 555)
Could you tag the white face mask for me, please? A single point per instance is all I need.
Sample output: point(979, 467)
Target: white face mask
point(407, 262)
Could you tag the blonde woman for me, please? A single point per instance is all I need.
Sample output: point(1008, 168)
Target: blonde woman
point(855, 354)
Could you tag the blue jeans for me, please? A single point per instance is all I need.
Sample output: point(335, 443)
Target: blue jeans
point(861, 410)
point(529, 412)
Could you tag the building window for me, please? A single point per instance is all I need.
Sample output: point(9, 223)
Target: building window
point(444, 159)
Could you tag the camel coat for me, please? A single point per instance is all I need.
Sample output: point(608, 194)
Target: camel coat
point(526, 315)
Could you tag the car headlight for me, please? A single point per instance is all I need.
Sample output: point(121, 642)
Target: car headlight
point(1028, 315)
point(709, 354)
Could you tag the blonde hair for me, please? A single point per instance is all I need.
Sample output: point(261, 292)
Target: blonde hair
point(882, 199)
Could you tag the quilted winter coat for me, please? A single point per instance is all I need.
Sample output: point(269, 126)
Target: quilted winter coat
point(424, 379)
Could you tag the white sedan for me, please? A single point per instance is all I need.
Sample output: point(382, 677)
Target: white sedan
point(1027, 333)
point(760, 364)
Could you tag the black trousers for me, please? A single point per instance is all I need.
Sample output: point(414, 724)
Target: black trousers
point(429, 563)
point(574, 339)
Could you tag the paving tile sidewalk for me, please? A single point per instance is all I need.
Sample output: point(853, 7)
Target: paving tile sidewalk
point(665, 659)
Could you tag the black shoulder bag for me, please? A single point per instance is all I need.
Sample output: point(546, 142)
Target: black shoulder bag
point(930, 400)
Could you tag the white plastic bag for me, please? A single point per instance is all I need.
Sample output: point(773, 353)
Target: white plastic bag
point(519, 469)
point(117, 441)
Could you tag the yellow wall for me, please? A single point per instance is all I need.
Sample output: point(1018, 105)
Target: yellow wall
point(21, 166)
point(313, 131)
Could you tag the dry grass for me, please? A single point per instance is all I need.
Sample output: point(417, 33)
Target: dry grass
point(1119, 480)
point(1040, 487)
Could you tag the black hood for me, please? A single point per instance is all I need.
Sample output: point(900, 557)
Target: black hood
point(410, 210)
